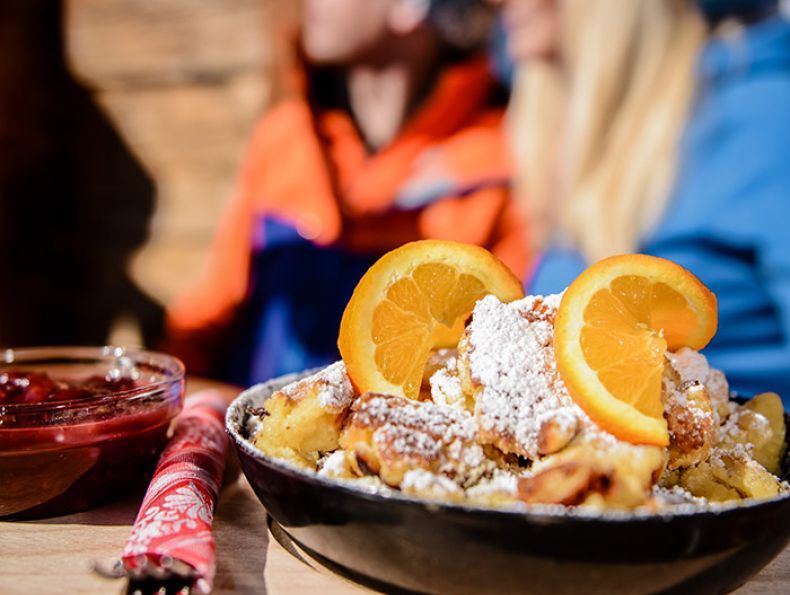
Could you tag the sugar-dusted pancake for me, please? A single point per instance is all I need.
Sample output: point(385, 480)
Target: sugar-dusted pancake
point(391, 435)
point(302, 421)
point(506, 360)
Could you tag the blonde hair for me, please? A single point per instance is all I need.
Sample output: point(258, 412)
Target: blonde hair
point(596, 135)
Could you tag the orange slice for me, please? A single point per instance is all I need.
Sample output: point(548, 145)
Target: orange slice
point(412, 300)
point(614, 325)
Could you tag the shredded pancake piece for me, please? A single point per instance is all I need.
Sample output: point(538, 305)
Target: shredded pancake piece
point(390, 435)
point(691, 418)
point(302, 421)
point(507, 358)
point(595, 470)
point(446, 387)
point(331, 387)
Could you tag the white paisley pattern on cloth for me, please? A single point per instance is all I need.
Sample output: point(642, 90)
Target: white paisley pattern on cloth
point(174, 522)
point(178, 510)
point(194, 435)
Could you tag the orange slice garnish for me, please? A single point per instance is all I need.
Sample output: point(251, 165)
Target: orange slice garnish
point(412, 300)
point(614, 325)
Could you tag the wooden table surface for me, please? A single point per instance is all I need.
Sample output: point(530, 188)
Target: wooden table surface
point(57, 555)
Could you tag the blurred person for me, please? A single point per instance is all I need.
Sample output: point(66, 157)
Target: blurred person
point(641, 126)
point(393, 135)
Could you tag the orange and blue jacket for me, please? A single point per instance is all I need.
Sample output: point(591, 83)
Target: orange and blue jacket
point(315, 209)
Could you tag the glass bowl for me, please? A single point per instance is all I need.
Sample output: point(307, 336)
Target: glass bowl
point(63, 456)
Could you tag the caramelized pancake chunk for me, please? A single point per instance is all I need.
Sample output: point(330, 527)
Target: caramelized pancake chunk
point(303, 420)
point(692, 419)
point(390, 435)
point(595, 471)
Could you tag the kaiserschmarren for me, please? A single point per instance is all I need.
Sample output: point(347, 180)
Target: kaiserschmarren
point(494, 425)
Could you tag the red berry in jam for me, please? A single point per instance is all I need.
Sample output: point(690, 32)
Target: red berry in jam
point(36, 387)
point(26, 387)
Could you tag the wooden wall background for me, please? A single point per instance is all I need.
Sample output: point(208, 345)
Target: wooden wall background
point(176, 84)
point(184, 81)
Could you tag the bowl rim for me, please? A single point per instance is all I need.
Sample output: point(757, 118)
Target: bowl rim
point(170, 364)
point(544, 513)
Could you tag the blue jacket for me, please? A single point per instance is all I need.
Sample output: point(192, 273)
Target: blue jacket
point(728, 220)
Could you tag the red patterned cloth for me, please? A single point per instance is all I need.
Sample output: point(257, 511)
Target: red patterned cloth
point(172, 532)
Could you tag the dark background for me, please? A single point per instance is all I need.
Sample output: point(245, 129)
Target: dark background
point(121, 126)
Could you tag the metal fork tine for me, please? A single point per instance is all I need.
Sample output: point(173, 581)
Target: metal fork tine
point(151, 586)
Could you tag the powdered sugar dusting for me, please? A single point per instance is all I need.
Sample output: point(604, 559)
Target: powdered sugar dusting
point(719, 392)
point(511, 359)
point(736, 430)
point(717, 386)
point(423, 432)
point(687, 410)
point(335, 465)
point(446, 386)
point(407, 442)
point(501, 485)
point(676, 495)
point(690, 365)
point(335, 392)
point(424, 483)
point(739, 452)
point(565, 419)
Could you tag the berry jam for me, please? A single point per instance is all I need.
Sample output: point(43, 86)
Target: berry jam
point(62, 450)
point(38, 387)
